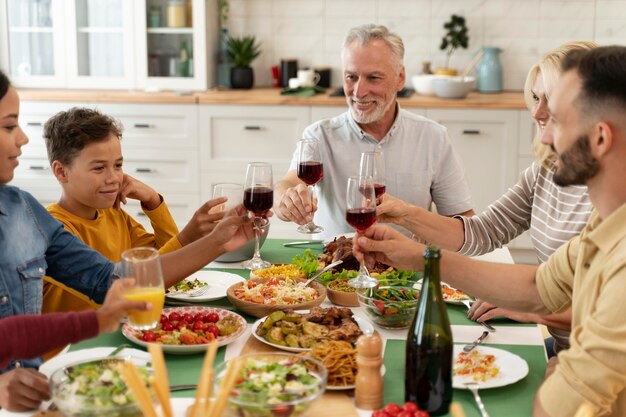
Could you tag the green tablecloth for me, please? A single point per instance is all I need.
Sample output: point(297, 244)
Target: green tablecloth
point(511, 401)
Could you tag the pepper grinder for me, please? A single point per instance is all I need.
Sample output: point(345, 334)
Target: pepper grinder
point(368, 391)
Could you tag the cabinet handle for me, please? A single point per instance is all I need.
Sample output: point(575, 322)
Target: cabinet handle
point(34, 124)
point(145, 170)
point(471, 132)
point(253, 128)
point(143, 126)
point(38, 168)
point(141, 214)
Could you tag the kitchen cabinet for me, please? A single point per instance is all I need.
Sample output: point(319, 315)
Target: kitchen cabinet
point(112, 44)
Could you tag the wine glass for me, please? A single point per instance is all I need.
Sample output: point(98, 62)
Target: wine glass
point(258, 197)
point(361, 214)
point(234, 193)
point(143, 264)
point(373, 165)
point(311, 171)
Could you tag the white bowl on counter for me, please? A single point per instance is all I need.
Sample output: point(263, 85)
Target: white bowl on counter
point(423, 83)
point(453, 87)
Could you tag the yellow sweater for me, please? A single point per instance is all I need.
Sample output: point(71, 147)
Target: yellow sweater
point(110, 233)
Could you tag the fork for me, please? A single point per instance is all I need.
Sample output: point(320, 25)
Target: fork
point(470, 346)
point(468, 304)
point(473, 387)
point(198, 292)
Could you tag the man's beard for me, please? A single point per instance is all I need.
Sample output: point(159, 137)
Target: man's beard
point(576, 165)
point(366, 117)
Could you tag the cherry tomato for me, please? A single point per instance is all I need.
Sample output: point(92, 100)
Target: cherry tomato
point(380, 413)
point(393, 409)
point(198, 325)
point(167, 326)
point(188, 318)
point(174, 316)
point(181, 324)
point(212, 317)
point(421, 413)
point(211, 328)
point(410, 406)
point(198, 317)
point(148, 336)
point(404, 413)
point(164, 318)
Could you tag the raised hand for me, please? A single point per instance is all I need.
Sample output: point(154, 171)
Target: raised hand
point(23, 389)
point(386, 245)
point(297, 205)
point(116, 307)
point(203, 221)
point(392, 210)
point(235, 229)
point(134, 189)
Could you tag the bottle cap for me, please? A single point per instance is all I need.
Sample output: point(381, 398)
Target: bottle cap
point(432, 251)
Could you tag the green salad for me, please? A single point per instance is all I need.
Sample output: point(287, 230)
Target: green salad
point(186, 285)
point(271, 388)
point(97, 385)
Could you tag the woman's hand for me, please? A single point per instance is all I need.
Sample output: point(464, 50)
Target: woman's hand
point(116, 307)
point(386, 245)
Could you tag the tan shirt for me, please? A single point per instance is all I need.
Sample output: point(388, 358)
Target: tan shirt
point(589, 273)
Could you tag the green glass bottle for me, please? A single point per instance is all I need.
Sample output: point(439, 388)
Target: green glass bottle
point(428, 371)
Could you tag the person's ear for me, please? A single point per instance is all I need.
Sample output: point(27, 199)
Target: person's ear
point(601, 139)
point(59, 171)
point(402, 78)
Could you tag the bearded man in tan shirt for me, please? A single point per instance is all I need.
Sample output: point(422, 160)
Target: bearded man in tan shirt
point(587, 130)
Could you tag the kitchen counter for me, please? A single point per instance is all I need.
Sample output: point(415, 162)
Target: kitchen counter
point(266, 96)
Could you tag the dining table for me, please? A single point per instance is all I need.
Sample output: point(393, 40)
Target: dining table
point(513, 400)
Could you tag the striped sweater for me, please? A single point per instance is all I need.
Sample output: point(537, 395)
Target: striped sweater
point(553, 214)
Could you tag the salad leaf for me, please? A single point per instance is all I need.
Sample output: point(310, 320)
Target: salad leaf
point(307, 262)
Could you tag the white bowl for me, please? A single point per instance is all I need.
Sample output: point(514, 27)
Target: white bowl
point(423, 83)
point(453, 87)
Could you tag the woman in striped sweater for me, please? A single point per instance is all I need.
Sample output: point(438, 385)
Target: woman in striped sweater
point(552, 214)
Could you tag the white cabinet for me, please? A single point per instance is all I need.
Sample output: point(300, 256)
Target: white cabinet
point(232, 136)
point(123, 44)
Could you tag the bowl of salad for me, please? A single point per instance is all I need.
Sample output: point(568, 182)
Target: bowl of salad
point(389, 306)
point(95, 388)
point(275, 385)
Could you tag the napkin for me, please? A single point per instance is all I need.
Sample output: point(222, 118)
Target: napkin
point(303, 91)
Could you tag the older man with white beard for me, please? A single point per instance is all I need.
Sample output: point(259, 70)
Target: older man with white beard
point(421, 166)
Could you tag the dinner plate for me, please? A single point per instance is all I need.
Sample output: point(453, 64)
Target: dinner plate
point(217, 281)
point(364, 325)
point(512, 369)
point(330, 239)
point(457, 301)
point(135, 335)
point(68, 358)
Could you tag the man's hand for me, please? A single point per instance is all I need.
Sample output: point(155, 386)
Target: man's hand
point(203, 221)
point(386, 245)
point(483, 311)
point(297, 205)
point(137, 190)
point(23, 389)
point(116, 307)
point(392, 210)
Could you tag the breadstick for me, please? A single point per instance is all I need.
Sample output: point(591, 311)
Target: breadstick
point(161, 384)
point(128, 370)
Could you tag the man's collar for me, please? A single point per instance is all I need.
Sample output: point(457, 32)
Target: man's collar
point(609, 232)
point(3, 209)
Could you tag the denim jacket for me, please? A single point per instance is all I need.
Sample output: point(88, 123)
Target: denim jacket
point(33, 243)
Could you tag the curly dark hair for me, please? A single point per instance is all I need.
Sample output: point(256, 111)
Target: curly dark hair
point(68, 132)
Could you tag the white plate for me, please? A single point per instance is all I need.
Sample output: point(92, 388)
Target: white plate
point(512, 368)
point(217, 281)
point(330, 239)
point(347, 387)
point(68, 358)
point(366, 327)
point(135, 335)
point(418, 286)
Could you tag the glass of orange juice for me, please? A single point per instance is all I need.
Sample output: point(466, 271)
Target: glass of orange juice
point(144, 265)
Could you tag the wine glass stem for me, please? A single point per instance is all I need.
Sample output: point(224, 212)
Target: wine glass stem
point(257, 232)
point(312, 192)
point(363, 271)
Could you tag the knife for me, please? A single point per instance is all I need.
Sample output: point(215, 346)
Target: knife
point(303, 242)
point(471, 346)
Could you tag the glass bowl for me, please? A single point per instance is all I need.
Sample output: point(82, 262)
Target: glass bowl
point(95, 388)
point(390, 307)
point(275, 385)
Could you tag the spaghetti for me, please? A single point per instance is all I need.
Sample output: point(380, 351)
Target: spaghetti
point(339, 358)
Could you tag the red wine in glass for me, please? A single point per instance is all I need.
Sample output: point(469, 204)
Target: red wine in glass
point(379, 190)
point(258, 200)
point(361, 218)
point(310, 172)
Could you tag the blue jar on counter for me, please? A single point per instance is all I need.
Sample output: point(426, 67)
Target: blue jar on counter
point(489, 71)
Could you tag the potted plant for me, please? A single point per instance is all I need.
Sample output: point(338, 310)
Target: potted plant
point(455, 37)
point(242, 51)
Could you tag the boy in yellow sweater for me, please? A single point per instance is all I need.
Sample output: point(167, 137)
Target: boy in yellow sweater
point(86, 157)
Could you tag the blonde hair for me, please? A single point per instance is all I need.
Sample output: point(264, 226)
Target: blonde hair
point(364, 34)
point(550, 68)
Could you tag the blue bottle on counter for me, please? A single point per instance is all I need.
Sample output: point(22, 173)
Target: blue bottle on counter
point(489, 71)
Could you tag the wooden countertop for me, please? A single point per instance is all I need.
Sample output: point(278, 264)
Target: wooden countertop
point(265, 96)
